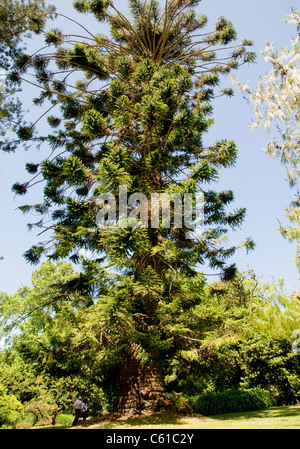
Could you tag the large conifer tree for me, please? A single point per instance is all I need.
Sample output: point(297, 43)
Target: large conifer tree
point(131, 110)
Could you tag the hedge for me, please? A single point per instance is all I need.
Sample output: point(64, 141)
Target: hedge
point(231, 401)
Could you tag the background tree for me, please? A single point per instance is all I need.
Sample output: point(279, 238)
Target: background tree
point(136, 117)
point(19, 19)
point(275, 103)
point(246, 332)
point(48, 358)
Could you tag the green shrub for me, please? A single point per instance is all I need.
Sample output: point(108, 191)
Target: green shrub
point(64, 420)
point(231, 401)
point(180, 402)
point(10, 408)
point(23, 424)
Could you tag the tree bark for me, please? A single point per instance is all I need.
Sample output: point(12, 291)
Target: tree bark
point(142, 388)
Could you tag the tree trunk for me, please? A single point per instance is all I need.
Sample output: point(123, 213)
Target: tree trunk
point(142, 388)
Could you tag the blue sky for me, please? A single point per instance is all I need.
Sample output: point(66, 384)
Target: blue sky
point(257, 181)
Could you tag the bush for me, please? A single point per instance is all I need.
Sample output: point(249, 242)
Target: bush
point(231, 401)
point(23, 424)
point(44, 414)
point(10, 408)
point(180, 402)
point(64, 420)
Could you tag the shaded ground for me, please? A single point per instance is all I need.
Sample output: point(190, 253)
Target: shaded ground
point(272, 418)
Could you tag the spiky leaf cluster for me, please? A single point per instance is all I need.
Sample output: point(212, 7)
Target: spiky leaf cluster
point(19, 19)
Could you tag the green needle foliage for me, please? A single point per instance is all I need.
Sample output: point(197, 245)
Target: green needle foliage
point(19, 20)
point(131, 109)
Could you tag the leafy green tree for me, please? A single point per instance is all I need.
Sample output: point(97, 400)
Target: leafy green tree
point(19, 378)
point(242, 344)
point(43, 360)
point(270, 364)
point(135, 118)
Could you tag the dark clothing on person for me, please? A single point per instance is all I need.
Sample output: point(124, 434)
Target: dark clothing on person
point(85, 410)
point(77, 416)
point(78, 409)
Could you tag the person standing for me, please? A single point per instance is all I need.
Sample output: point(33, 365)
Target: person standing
point(85, 409)
point(78, 409)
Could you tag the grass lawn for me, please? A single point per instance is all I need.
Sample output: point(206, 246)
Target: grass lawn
point(287, 417)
